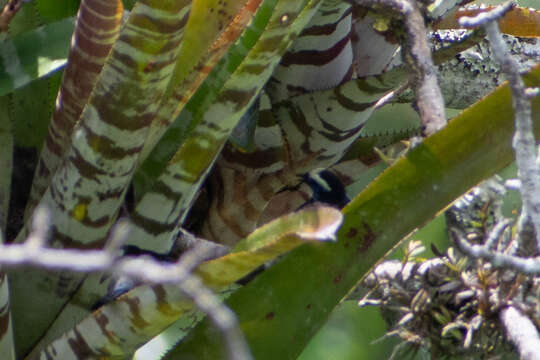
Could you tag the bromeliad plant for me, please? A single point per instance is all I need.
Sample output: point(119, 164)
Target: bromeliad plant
point(197, 115)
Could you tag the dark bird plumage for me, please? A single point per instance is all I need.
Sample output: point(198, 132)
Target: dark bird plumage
point(327, 188)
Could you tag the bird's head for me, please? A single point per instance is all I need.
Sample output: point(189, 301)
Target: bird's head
point(327, 187)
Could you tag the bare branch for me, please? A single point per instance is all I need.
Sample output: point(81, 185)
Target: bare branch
point(497, 259)
point(521, 331)
point(417, 55)
point(524, 142)
point(484, 18)
point(143, 268)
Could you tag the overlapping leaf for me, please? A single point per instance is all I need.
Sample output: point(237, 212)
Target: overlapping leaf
point(160, 210)
point(34, 54)
point(117, 329)
point(289, 302)
point(87, 190)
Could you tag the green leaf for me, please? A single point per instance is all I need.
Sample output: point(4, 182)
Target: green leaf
point(136, 317)
point(34, 54)
point(284, 307)
point(6, 164)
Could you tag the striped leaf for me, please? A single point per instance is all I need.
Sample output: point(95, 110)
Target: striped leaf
point(87, 190)
point(306, 128)
point(289, 302)
point(96, 29)
point(212, 27)
point(92, 287)
point(118, 328)
point(163, 208)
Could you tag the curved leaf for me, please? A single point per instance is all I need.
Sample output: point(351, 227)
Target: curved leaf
point(95, 32)
point(161, 209)
point(118, 328)
point(287, 304)
point(87, 190)
point(34, 54)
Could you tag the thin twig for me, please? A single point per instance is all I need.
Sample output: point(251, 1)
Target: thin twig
point(33, 252)
point(417, 55)
point(497, 259)
point(524, 142)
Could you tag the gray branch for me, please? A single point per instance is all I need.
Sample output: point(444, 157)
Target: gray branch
point(521, 331)
point(33, 252)
point(524, 142)
point(474, 73)
point(497, 259)
point(417, 55)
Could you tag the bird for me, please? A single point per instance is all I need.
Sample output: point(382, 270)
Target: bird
point(327, 188)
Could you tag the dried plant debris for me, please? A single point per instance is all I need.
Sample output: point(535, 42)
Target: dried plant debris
point(450, 305)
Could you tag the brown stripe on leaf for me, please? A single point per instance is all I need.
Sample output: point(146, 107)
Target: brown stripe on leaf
point(342, 135)
point(110, 112)
point(135, 318)
point(369, 88)
point(314, 57)
point(86, 169)
point(240, 199)
point(162, 302)
point(255, 160)
point(162, 188)
point(239, 97)
point(325, 29)
point(103, 320)
point(57, 196)
point(350, 104)
point(265, 187)
point(88, 45)
point(107, 147)
point(222, 209)
point(299, 120)
point(151, 226)
point(146, 21)
point(109, 194)
point(79, 346)
point(70, 243)
point(53, 146)
point(102, 15)
point(122, 62)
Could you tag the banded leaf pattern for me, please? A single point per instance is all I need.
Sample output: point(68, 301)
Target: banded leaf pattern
point(86, 192)
point(96, 29)
point(94, 287)
point(161, 211)
point(306, 127)
point(118, 328)
point(321, 58)
point(312, 122)
point(192, 114)
point(212, 27)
